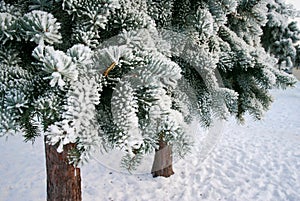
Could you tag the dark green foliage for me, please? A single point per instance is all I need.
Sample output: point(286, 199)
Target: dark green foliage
point(199, 94)
point(130, 162)
point(105, 118)
point(280, 35)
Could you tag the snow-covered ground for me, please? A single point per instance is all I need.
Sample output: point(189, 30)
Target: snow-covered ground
point(258, 161)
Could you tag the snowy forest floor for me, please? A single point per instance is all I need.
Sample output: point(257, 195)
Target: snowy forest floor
point(257, 161)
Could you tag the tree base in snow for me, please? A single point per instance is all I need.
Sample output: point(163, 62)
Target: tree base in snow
point(63, 179)
point(162, 165)
point(166, 172)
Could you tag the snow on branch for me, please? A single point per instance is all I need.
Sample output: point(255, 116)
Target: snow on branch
point(8, 27)
point(41, 27)
point(57, 66)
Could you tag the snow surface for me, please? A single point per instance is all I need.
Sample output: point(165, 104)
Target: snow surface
point(258, 161)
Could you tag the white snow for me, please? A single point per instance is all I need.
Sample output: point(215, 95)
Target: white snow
point(258, 161)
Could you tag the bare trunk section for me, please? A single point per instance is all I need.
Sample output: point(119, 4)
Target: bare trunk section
point(162, 165)
point(63, 179)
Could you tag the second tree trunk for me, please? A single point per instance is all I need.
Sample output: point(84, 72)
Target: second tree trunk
point(162, 165)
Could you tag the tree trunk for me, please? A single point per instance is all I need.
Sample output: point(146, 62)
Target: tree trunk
point(63, 179)
point(162, 165)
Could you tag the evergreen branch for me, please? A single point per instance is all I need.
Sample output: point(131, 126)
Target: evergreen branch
point(30, 129)
point(130, 162)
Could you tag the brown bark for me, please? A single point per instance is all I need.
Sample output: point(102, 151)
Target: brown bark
point(162, 165)
point(63, 179)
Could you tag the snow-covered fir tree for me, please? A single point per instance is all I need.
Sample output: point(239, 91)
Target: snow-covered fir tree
point(131, 75)
point(280, 34)
point(297, 59)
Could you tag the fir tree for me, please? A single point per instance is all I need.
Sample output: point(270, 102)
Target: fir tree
point(131, 75)
point(297, 59)
point(280, 34)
